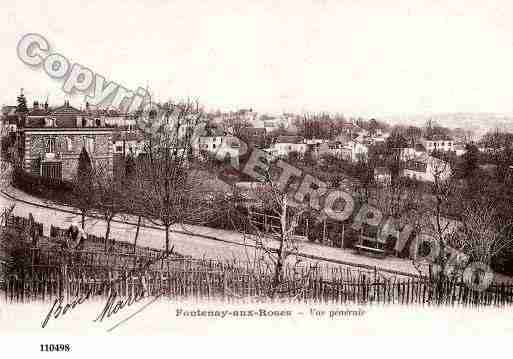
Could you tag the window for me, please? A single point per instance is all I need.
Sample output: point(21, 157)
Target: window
point(69, 144)
point(119, 148)
point(50, 145)
point(89, 144)
point(51, 170)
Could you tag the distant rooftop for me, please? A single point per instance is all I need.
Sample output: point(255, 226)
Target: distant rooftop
point(438, 138)
point(289, 139)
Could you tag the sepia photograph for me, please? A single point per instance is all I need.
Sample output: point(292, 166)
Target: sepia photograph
point(205, 170)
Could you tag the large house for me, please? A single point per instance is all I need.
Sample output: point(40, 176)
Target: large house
point(50, 141)
point(426, 168)
point(285, 145)
point(438, 143)
point(217, 142)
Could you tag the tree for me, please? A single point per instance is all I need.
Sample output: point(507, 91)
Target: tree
point(82, 195)
point(236, 125)
point(274, 240)
point(396, 140)
point(373, 126)
point(22, 104)
point(470, 161)
point(482, 236)
point(109, 197)
point(413, 134)
point(316, 126)
point(436, 222)
point(170, 180)
point(134, 203)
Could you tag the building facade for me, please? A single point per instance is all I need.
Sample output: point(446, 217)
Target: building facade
point(49, 144)
point(438, 143)
point(427, 169)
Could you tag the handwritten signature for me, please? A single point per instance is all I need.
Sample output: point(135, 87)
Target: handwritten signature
point(111, 307)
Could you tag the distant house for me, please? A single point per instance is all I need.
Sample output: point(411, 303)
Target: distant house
point(459, 149)
point(286, 144)
point(127, 143)
point(351, 129)
point(9, 118)
point(216, 141)
point(358, 150)
point(426, 168)
point(333, 148)
point(8, 110)
point(438, 143)
point(253, 135)
point(314, 145)
point(382, 175)
point(408, 153)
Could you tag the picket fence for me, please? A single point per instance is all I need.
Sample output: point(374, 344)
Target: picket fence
point(212, 280)
point(54, 272)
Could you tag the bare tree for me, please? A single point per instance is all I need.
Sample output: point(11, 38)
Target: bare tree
point(270, 222)
point(482, 236)
point(235, 124)
point(436, 221)
point(167, 174)
point(110, 196)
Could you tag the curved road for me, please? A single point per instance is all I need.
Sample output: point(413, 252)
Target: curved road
point(196, 241)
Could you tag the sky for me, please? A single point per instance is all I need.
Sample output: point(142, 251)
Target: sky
point(360, 58)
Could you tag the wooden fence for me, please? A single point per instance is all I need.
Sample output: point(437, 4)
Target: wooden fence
point(21, 223)
point(212, 280)
point(54, 272)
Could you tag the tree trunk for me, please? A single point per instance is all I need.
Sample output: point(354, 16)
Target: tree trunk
point(107, 234)
point(137, 232)
point(83, 220)
point(167, 238)
point(278, 273)
point(280, 261)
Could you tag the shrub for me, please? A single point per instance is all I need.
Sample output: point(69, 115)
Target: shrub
point(49, 188)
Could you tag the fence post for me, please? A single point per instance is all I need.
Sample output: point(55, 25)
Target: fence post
point(224, 285)
point(65, 282)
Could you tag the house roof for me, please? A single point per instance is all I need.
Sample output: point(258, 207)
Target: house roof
point(438, 138)
point(38, 111)
point(419, 147)
point(67, 110)
point(127, 137)
point(9, 110)
point(290, 139)
point(253, 131)
point(213, 132)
